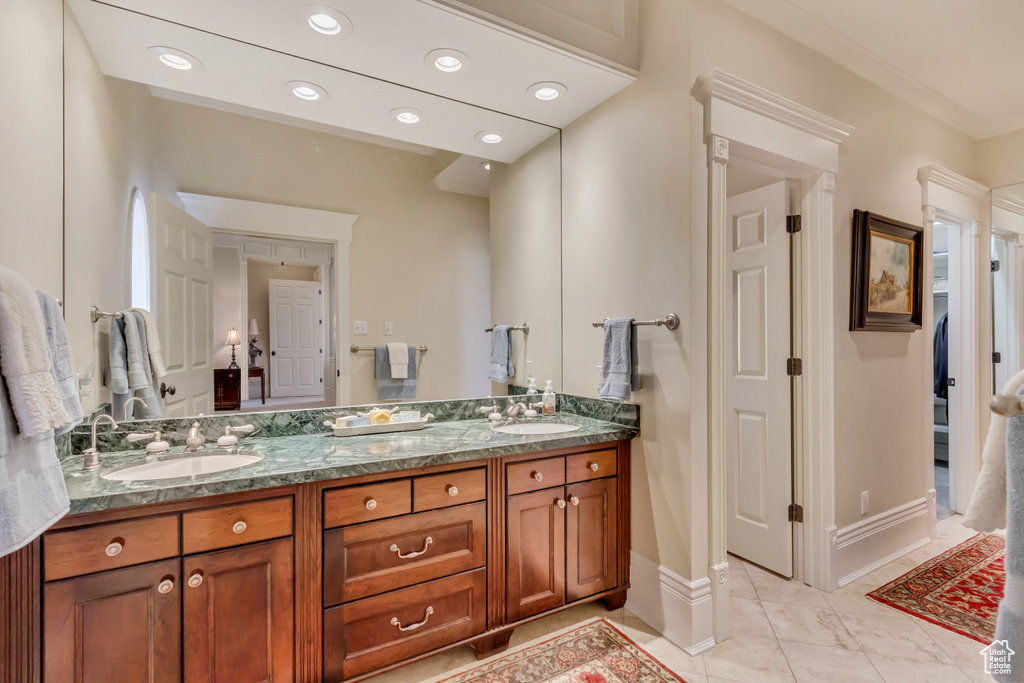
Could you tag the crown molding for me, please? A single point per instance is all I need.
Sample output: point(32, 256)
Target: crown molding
point(943, 177)
point(810, 31)
point(728, 88)
point(261, 218)
point(462, 188)
point(1008, 204)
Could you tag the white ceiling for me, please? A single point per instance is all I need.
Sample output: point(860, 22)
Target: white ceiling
point(961, 60)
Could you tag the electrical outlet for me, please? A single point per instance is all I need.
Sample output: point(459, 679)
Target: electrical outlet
point(389, 327)
point(359, 327)
point(863, 502)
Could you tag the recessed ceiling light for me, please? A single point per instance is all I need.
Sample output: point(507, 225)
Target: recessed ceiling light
point(175, 59)
point(486, 166)
point(447, 60)
point(406, 115)
point(325, 20)
point(547, 90)
point(310, 92)
point(491, 137)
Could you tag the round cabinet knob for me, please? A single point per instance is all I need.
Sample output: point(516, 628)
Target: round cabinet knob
point(593, 467)
point(165, 586)
point(114, 549)
point(574, 500)
point(561, 504)
point(239, 527)
point(371, 504)
point(453, 490)
point(195, 580)
point(538, 476)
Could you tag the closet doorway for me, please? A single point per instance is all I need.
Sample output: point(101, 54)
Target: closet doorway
point(940, 343)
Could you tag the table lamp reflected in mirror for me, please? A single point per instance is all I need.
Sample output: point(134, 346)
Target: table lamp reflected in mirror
point(234, 339)
point(254, 351)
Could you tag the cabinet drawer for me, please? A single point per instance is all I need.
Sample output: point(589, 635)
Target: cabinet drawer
point(365, 559)
point(230, 525)
point(357, 504)
point(450, 488)
point(587, 466)
point(108, 546)
point(365, 635)
point(534, 475)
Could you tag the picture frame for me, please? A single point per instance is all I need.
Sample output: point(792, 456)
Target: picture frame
point(886, 281)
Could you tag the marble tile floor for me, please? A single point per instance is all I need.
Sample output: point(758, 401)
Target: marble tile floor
point(784, 631)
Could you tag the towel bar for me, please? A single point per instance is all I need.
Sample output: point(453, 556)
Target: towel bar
point(355, 348)
point(524, 328)
point(671, 321)
point(96, 314)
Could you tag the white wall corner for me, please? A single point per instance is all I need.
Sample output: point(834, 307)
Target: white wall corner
point(680, 610)
point(869, 544)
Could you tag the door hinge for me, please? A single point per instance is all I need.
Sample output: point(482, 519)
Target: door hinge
point(997, 357)
point(794, 367)
point(320, 291)
point(796, 513)
point(321, 380)
point(995, 266)
point(793, 224)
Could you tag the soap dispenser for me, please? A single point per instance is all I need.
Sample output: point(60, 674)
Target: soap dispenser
point(548, 398)
point(531, 387)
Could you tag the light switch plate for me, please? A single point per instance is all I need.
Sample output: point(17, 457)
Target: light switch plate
point(359, 327)
point(389, 327)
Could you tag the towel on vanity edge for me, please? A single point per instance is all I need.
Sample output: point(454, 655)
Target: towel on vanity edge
point(25, 358)
point(60, 357)
point(389, 388)
point(620, 373)
point(32, 491)
point(501, 354)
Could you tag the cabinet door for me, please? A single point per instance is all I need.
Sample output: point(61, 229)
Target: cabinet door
point(590, 538)
point(239, 615)
point(535, 557)
point(120, 625)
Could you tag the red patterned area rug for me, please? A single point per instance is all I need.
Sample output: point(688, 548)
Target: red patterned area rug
point(594, 652)
point(959, 590)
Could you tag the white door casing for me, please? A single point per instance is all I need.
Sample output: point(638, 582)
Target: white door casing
point(183, 306)
point(296, 339)
point(758, 400)
point(1004, 308)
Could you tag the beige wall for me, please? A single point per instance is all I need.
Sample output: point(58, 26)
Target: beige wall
point(1001, 159)
point(227, 307)
point(259, 276)
point(31, 140)
point(107, 155)
point(526, 271)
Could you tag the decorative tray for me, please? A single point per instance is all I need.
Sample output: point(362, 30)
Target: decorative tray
point(387, 427)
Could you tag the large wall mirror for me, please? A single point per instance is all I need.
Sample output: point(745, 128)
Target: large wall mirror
point(268, 206)
point(1007, 283)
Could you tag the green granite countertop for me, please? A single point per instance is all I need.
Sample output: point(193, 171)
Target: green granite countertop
point(318, 457)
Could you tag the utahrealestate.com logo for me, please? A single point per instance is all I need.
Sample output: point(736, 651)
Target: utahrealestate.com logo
point(997, 658)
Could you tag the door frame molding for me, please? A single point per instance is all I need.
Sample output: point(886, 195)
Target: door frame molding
point(746, 124)
point(953, 198)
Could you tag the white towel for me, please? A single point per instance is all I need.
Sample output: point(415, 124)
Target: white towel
point(987, 510)
point(60, 357)
point(25, 358)
point(156, 358)
point(398, 356)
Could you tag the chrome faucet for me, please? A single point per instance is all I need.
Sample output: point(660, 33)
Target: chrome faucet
point(128, 405)
point(195, 438)
point(92, 454)
point(514, 407)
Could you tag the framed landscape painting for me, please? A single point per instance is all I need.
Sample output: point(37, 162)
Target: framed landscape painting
point(886, 279)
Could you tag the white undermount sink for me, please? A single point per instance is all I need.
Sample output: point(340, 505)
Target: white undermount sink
point(536, 428)
point(188, 466)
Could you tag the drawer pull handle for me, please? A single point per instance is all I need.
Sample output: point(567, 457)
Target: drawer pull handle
point(574, 500)
point(114, 549)
point(239, 527)
point(413, 627)
point(453, 490)
point(593, 467)
point(371, 504)
point(195, 580)
point(561, 504)
point(165, 586)
point(426, 544)
point(539, 476)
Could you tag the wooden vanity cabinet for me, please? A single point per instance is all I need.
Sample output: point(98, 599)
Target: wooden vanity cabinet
point(591, 538)
point(535, 564)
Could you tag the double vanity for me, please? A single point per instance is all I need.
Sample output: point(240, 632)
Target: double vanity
point(334, 558)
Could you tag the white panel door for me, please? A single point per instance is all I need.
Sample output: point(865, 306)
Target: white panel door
point(183, 306)
point(758, 403)
point(1004, 311)
point(296, 339)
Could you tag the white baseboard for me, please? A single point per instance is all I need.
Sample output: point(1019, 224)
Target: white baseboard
point(869, 544)
point(680, 610)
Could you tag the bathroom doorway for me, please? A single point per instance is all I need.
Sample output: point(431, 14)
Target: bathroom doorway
point(940, 370)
